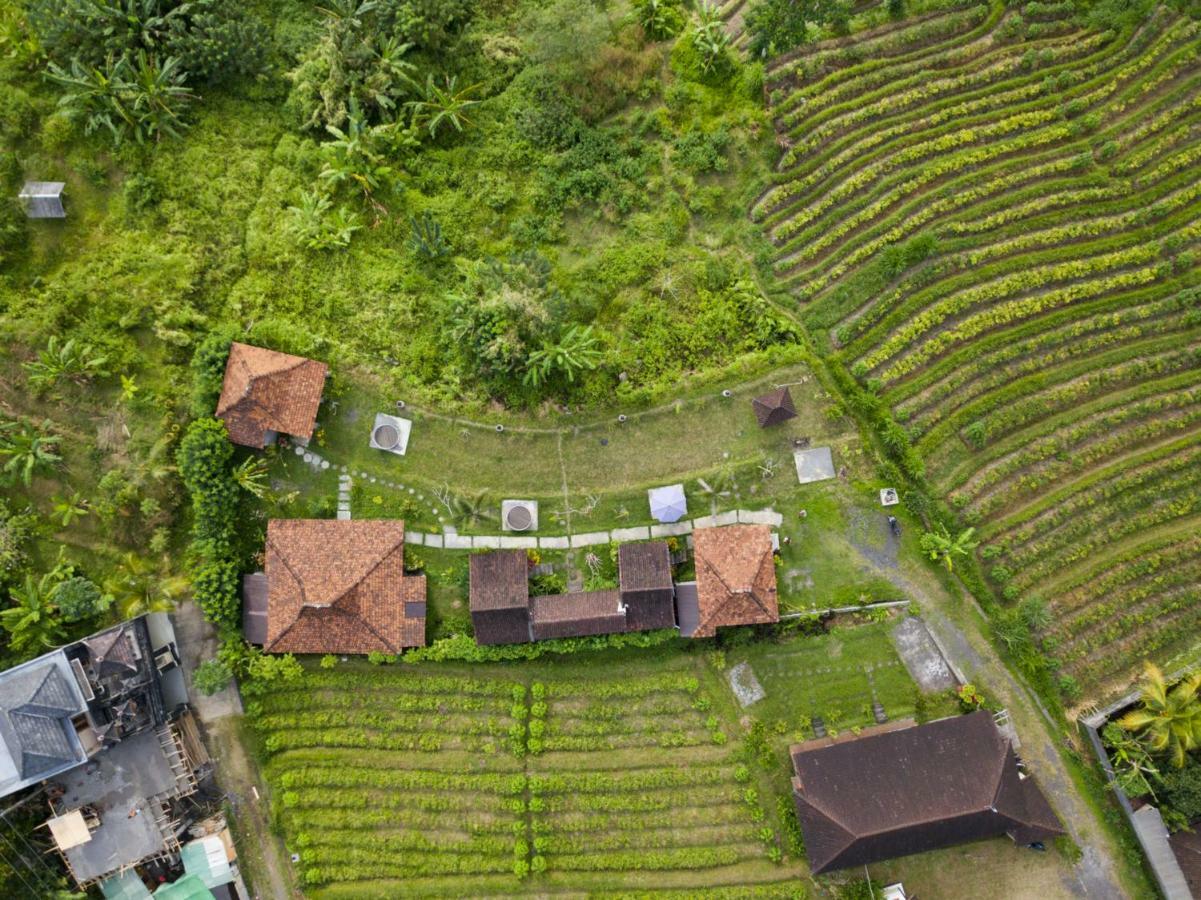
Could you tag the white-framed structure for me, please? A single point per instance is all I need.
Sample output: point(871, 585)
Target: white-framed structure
point(519, 515)
point(391, 433)
point(43, 199)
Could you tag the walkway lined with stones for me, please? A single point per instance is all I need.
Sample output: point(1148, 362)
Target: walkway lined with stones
point(450, 539)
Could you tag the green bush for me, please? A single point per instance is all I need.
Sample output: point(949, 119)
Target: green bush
point(211, 676)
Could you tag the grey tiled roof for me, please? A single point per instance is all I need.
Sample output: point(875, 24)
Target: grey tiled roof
point(37, 704)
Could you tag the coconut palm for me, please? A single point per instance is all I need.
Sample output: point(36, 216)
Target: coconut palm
point(32, 621)
point(139, 586)
point(251, 476)
point(1169, 719)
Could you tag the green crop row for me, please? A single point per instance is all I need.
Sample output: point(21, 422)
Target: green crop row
point(874, 207)
point(1078, 498)
point(400, 680)
point(884, 53)
point(629, 804)
point(342, 864)
point(316, 820)
point(1006, 81)
point(1086, 646)
point(629, 780)
point(650, 860)
point(385, 779)
point(1075, 445)
point(955, 146)
point(385, 720)
point(1139, 562)
point(1091, 541)
point(1071, 387)
point(643, 686)
point(1088, 336)
point(1129, 597)
point(713, 814)
point(651, 838)
point(1120, 655)
point(396, 806)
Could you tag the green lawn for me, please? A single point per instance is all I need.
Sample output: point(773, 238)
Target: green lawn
point(835, 676)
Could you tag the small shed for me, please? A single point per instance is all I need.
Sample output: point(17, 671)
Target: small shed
point(43, 199)
point(774, 408)
point(668, 503)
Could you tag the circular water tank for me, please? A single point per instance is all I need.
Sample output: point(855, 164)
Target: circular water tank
point(386, 436)
point(518, 518)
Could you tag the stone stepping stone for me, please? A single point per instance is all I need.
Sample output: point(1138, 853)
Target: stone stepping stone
point(819, 727)
point(879, 713)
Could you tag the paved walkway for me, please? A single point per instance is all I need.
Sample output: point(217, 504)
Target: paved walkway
point(449, 539)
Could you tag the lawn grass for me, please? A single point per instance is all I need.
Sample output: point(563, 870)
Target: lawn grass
point(835, 676)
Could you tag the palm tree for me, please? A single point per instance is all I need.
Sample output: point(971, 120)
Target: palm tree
point(251, 476)
point(941, 546)
point(32, 621)
point(1169, 719)
point(447, 105)
point(1133, 770)
point(576, 352)
point(139, 587)
point(68, 509)
point(26, 450)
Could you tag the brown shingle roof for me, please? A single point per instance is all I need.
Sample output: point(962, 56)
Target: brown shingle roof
point(644, 567)
point(338, 586)
point(576, 615)
point(774, 408)
point(499, 580)
point(905, 791)
point(269, 391)
point(735, 577)
point(1186, 847)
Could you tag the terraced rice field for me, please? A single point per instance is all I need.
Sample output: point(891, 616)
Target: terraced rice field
point(394, 782)
point(990, 215)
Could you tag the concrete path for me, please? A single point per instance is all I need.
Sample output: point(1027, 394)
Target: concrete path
point(452, 540)
point(922, 656)
point(1096, 874)
point(197, 641)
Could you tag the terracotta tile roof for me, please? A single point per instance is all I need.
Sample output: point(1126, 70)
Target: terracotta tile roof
point(338, 586)
point(499, 580)
point(774, 408)
point(735, 577)
point(908, 790)
point(269, 391)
